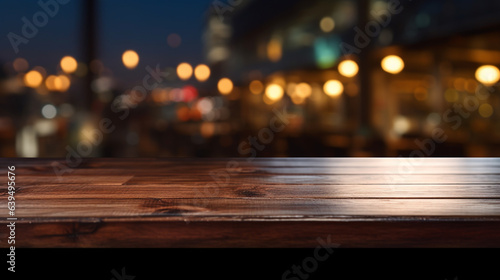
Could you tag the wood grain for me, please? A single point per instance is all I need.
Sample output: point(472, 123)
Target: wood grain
point(213, 190)
point(262, 202)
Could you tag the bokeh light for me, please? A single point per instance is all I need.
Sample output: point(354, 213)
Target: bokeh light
point(33, 79)
point(303, 90)
point(348, 68)
point(184, 71)
point(68, 64)
point(183, 113)
point(225, 86)
point(205, 105)
point(274, 50)
point(159, 95)
point(49, 111)
point(189, 93)
point(401, 125)
point(256, 87)
point(62, 83)
point(50, 83)
point(485, 110)
point(392, 64)
point(290, 89)
point(274, 92)
point(207, 129)
point(195, 114)
point(297, 100)
point(130, 59)
point(327, 24)
point(488, 74)
point(202, 72)
point(333, 88)
point(20, 64)
point(434, 119)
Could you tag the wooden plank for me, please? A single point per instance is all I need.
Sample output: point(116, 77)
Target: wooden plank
point(212, 190)
point(340, 170)
point(320, 179)
point(368, 202)
point(266, 162)
point(264, 234)
point(254, 208)
point(22, 179)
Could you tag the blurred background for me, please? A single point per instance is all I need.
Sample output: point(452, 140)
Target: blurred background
point(243, 78)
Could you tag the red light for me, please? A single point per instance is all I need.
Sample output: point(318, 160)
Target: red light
point(189, 93)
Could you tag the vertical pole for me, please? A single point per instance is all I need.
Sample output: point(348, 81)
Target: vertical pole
point(365, 130)
point(89, 44)
point(364, 69)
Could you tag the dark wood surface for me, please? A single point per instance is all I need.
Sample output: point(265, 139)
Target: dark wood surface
point(264, 202)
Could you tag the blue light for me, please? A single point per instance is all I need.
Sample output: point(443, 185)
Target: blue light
point(326, 51)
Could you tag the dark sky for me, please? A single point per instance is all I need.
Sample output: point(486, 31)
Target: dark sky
point(125, 24)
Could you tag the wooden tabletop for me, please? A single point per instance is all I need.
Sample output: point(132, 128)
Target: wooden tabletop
point(262, 202)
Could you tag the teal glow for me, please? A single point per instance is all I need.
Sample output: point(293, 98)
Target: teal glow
point(326, 51)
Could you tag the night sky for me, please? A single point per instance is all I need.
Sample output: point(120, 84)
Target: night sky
point(126, 24)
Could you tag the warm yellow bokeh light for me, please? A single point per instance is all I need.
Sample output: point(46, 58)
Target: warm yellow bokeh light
point(68, 64)
point(485, 110)
point(488, 75)
point(303, 90)
point(130, 59)
point(327, 24)
point(274, 50)
point(274, 92)
point(225, 86)
point(290, 89)
point(297, 100)
point(62, 83)
point(33, 79)
point(333, 88)
point(256, 87)
point(50, 83)
point(392, 64)
point(207, 129)
point(348, 68)
point(401, 125)
point(202, 72)
point(184, 71)
point(267, 100)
